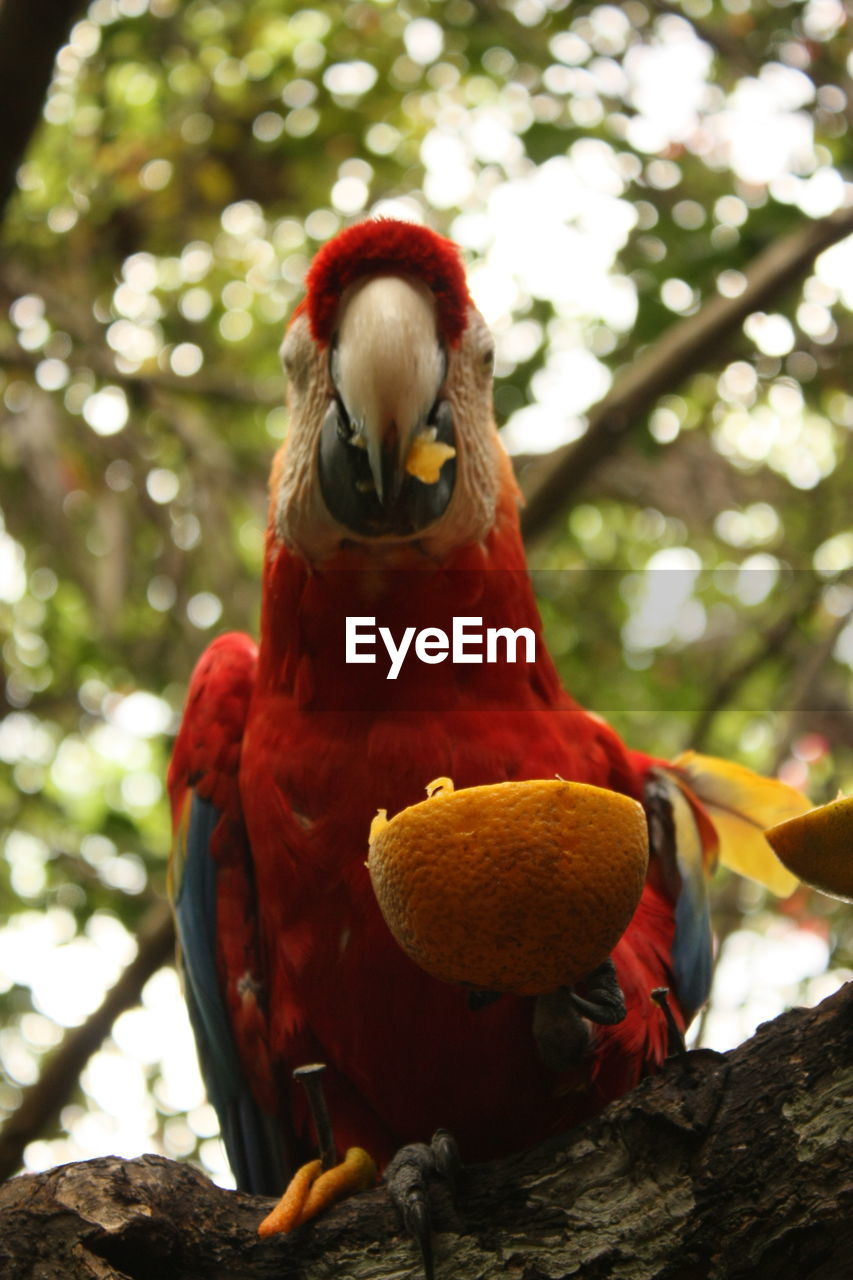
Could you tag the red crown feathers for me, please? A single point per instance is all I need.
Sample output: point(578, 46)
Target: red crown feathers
point(386, 245)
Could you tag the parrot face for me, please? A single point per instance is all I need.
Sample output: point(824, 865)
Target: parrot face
point(392, 437)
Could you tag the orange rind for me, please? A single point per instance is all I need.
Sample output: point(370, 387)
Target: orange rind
point(817, 847)
point(312, 1189)
point(519, 886)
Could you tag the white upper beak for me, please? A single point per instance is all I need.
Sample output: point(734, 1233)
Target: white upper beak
point(388, 366)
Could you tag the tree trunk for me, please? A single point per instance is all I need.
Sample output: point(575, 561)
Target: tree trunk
point(724, 1165)
point(31, 34)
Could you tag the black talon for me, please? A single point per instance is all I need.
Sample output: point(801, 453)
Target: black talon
point(407, 1178)
point(603, 1002)
point(445, 1152)
point(675, 1044)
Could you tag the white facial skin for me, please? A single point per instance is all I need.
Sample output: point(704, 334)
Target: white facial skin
point(388, 364)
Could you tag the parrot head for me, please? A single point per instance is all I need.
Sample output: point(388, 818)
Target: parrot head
point(391, 430)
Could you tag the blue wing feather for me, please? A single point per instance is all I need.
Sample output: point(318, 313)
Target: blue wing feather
point(250, 1137)
point(692, 948)
point(677, 844)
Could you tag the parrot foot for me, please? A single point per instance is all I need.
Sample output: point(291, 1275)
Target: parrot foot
point(602, 1000)
point(407, 1178)
point(561, 1034)
point(560, 1017)
point(312, 1189)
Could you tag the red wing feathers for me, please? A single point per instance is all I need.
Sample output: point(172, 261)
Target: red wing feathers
point(213, 891)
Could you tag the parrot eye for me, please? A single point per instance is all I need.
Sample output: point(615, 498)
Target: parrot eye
point(488, 359)
point(294, 357)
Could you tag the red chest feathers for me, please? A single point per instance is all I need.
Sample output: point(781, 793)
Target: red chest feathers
point(407, 1052)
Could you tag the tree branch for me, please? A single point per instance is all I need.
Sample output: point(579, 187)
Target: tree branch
point(43, 1100)
point(680, 351)
point(31, 34)
point(725, 1165)
point(771, 643)
point(691, 482)
point(807, 680)
point(229, 387)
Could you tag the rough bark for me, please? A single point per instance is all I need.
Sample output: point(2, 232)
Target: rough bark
point(724, 1165)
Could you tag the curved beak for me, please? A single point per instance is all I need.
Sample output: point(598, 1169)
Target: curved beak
point(387, 366)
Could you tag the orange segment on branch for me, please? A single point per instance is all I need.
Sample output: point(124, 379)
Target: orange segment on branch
point(311, 1189)
point(519, 886)
point(287, 1214)
point(356, 1172)
point(818, 847)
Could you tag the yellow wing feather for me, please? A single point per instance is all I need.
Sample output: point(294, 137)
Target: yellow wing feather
point(742, 805)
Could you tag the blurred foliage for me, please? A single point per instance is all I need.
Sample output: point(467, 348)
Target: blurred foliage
point(192, 158)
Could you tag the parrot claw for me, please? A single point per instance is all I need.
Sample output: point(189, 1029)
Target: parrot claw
point(407, 1178)
point(561, 1017)
point(448, 1162)
point(562, 1037)
point(603, 1001)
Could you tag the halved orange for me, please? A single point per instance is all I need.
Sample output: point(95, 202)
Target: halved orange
point(518, 886)
point(818, 847)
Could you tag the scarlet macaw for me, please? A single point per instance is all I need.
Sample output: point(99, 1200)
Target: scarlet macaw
point(393, 500)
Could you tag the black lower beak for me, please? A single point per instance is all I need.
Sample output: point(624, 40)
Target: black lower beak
point(408, 505)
